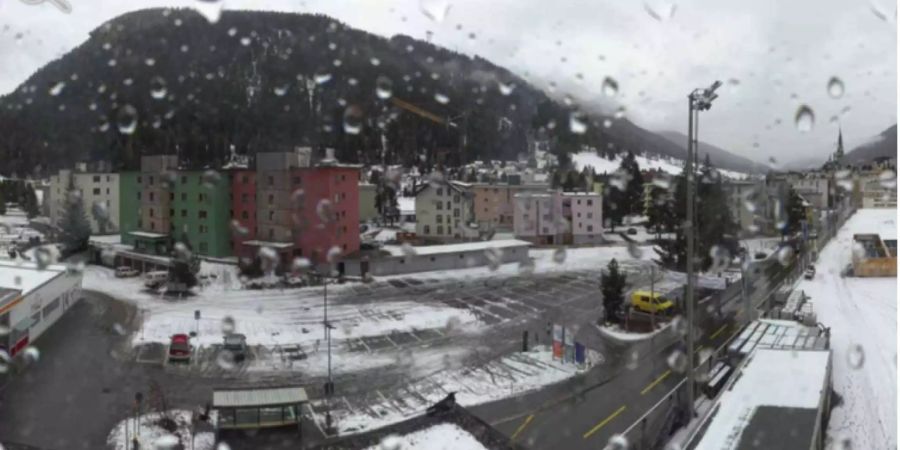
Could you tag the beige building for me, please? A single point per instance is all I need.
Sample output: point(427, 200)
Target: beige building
point(494, 202)
point(155, 179)
point(444, 211)
point(367, 211)
point(99, 192)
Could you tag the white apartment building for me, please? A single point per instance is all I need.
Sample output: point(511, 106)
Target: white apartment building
point(97, 190)
point(584, 211)
point(445, 211)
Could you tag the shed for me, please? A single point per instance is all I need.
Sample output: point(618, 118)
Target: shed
point(258, 407)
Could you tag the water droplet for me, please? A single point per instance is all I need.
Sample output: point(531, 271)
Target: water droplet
point(157, 87)
point(322, 77)
point(559, 255)
point(375, 61)
point(680, 326)
point(635, 251)
point(494, 256)
point(805, 119)
point(408, 250)
point(506, 88)
point(441, 98)
point(225, 360)
point(383, 87)
point(617, 442)
point(577, 122)
point(150, 62)
point(785, 255)
point(720, 257)
point(353, 118)
point(232, 31)
point(678, 361)
point(127, 119)
point(325, 211)
point(57, 88)
point(435, 10)
point(660, 11)
point(610, 87)
point(228, 325)
point(32, 354)
point(835, 87)
point(856, 356)
point(888, 178)
point(281, 90)
point(245, 41)
point(620, 112)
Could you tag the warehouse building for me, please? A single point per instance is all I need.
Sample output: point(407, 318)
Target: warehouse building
point(32, 299)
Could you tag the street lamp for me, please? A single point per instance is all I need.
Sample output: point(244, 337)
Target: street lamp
point(698, 100)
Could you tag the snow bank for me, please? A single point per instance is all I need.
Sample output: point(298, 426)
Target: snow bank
point(152, 435)
point(446, 436)
point(862, 315)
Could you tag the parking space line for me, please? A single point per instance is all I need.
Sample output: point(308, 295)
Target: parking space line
point(656, 381)
point(368, 349)
point(413, 334)
point(522, 427)
point(604, 422)
point(391, 340)
point(718, 332)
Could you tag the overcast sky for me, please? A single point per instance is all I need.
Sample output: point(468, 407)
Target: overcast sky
point(773, 55)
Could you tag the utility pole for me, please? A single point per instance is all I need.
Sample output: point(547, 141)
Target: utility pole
point(698, 100)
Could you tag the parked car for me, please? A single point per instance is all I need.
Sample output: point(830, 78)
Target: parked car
point(126, 272)
point(180, 348)
point(156, 278)
point(632, 231)
point(236, 344)
point(810, 272)
point(759, 255)
point(653, 303)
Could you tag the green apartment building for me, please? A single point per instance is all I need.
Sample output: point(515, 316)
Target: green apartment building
point(129, 206)
point(200, 211)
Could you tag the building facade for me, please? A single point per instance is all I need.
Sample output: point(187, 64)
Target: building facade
point(538, 218)
point(200, 205)
point(99, 193)
point(327, 212)
point(367, 210)
point(583, 212)
point(445, 211)
point(243, 208)
point(129, 206)
point(493, 203)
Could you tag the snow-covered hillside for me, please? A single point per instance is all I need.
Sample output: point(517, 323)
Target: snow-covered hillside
point(669, 165)
point(862, 315)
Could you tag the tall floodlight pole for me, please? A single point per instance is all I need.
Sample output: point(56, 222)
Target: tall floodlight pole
point(698, 100)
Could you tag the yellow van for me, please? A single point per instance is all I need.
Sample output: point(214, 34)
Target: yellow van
point(653, 303)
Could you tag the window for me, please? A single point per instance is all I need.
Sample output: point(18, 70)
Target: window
point(201, 197)
point(203, 247)
point(546, 231)
point(184, 196)
point(245, 179)
point(171, 196)
point(271, 199)
point(440, 229)
point(448, 204)
point(201, 214)
point(590, 215)
point(183, 213)
point(440, 205)
point(456, 212)
point(456, 198)
point(590, 202)
point(150, 180)
point(271, 216)
point(96, 191)
point(438, 218)
point(296, 179)
point(139, 179)
point(151, 212)
point(171, 212)
point(244, 198)
point(579, 214)
point(427, 229)
point(578, 202)
point(107, 191)
point(96, 178)
point(590, 228)
point(271, 233)
point(183, 179)
point(244, 215)
point(271, 180)
point(151, 197)
point(440, 192)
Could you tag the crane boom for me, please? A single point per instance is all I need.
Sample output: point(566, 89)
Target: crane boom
point(419, 111)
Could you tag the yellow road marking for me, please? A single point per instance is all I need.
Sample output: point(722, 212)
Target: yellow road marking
point(604, 422)
point(718, 332)
point(522, 427)
point(656, 381)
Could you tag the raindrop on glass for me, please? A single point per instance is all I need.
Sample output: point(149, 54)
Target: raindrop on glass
point(495, 258)
point(677, 361)
point(804, 119)
point(856, 356)
point(785, 255)
point(281, 90)
point(441, 98)
point(158, 87)
point(610, 87)
point(835, 87)
point(435, 10)
point(322, 77)
point(617, 442)
point(126, 119)
point(353, 118)
point(577, 122)
point(57, 88)
point(384, 87)
point(506, 88)
point(559, 255)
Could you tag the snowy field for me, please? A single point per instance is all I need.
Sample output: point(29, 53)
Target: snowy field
point(151, 435)
point(862, 315)
point(669, 165)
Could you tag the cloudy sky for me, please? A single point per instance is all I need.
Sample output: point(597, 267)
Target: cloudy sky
point(773, 55)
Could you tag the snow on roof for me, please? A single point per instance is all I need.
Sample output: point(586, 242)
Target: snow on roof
point(147, 234)
point(669, 165)
point(407, 205)
point(396, 250)
point(269, 244)
point(26, 276)
point(106, 239)
point(285, 395)
point(445, 436)
point(776, 378)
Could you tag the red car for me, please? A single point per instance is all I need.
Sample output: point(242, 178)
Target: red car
point(180, 348)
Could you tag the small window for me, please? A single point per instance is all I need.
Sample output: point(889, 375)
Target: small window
point(271, 180)
point(96, 191)
point(590, 228)
point(271, 199)
point(151, 212)
point(183, 179)
point(244, 215)
point(150, 179)
point(184, 196)
point(171, 196)
point(440, 205)
point(96, 178)
point(440, 192)
point(244, 198)
point(427, 229)
point(440, 229)
point(245, 179)
point(590, 203)
point(183, 213)
point(139, 179)
point(439, 218)
point(201, 214)
point(296, 180)
point(203, 247)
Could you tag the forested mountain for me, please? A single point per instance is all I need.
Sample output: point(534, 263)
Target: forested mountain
point(164, 80)
point(721, 157)
point(883, 145)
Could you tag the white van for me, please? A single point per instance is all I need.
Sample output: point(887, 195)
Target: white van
point(155, 279)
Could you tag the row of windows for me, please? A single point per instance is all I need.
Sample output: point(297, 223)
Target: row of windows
point(97, 178)
point(439, 230)
point(200, 214)
point(439, 218)
point(152, 197)
point(296, 179)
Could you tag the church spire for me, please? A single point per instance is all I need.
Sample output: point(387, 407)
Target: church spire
point(839, 153)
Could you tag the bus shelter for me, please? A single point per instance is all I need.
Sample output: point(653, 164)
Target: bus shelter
point(257, 407)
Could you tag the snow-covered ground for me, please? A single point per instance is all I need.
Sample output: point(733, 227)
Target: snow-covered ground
point(151, 435)
point(511, 375)
point(445, 436)
point(862, 315)
point(669, 165)
point(14, 228)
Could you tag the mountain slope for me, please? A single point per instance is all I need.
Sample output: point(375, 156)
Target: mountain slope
point(719, 157)
point(161, 80)
point(883, 145)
